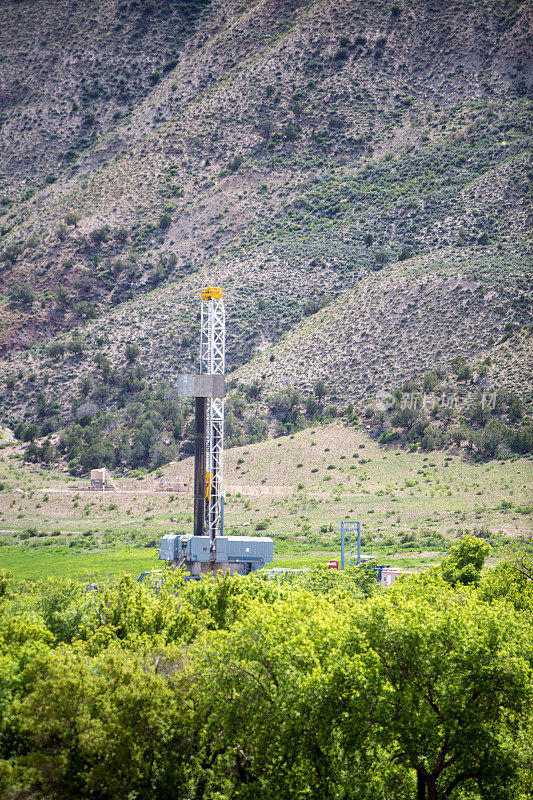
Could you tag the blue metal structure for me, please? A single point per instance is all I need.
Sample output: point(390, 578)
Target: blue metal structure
point(350, 542)
point(351, 549)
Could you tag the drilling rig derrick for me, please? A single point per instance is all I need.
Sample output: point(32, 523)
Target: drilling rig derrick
point(212, 363)
point(208, 550)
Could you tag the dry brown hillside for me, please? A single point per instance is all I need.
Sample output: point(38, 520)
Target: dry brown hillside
point(405, 322)
point(268, 105)
point(299, 153)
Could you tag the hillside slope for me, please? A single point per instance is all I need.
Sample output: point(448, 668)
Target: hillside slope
point(70, 70)
point(258, 137)
point(404, 322)
point(289, 151)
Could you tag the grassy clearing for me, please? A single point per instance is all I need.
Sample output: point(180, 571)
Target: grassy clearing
point(37, 562)
point(34, 563)
point(411, 506)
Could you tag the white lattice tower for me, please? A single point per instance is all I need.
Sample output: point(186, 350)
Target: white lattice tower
point(212, 362)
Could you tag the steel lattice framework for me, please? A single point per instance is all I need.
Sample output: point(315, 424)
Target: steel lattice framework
point(212, 362)
point(350, 543)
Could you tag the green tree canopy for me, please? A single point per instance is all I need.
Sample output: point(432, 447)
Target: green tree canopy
point(317, 685)
point(465, 561)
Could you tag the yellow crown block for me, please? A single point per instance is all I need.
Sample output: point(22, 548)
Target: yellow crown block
point(211, 293)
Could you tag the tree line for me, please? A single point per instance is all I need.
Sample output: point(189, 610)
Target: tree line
point(312, 685)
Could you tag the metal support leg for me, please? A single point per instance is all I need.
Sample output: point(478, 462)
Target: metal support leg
point(348, 531)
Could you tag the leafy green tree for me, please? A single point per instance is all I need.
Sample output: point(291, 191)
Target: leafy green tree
point(462, 369)
point(320, 390)
point(71, 218)
point(100, 235)
point(26, 433)
point(317, 685)
point(406, 418)
point(253, 391)
point(445, 690)
point(108, 726)
point(257, 739)
point(465, 561)
point(430, 381)
point(256, 428)
point(65, 607)
point(23, 635)
point(511, 580)
point(99, 454)
point(381, 257)
point(265, 128)
point(6, 579)
point(491, 438)
point(516, 408)
point(103, 362)
point(285, 400)
point(311, 407)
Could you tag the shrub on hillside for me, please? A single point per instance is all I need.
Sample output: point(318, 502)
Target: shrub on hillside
point(21, 295)
point(290, 132)
point(462, 369)
point(132, 352)
point(11, 253)
point(100, 235)
point(380, 257)
point(56, 350)
point(25, 433)
point(235, 162)
point(71, 218)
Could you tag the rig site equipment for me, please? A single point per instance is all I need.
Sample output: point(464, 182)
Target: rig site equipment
point(207, 549)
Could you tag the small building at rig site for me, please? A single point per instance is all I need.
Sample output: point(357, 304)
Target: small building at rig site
point(390, 575)
point(102, 480)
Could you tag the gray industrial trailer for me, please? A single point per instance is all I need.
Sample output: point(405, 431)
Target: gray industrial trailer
point(233, 554)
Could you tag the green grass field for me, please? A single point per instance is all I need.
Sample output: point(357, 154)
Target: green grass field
point(296, 489)
point(41, 562)
point(32, 563)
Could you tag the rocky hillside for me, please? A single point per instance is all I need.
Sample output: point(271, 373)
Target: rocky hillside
point(71, 70)
point(408, 320)
point(367, 159)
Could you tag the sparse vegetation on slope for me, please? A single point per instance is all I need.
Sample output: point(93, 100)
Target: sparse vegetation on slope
point(286, 152)
point(413, 505)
